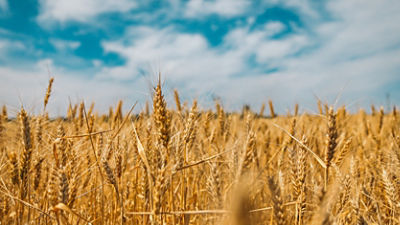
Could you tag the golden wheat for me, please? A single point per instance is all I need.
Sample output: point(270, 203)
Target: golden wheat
point(198, 166)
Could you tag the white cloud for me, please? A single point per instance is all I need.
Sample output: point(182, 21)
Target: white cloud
point(64, 45)
point(262, 45)
point(273, 50)
point(226, 8)
point(96, 63)
point(3, 5)
point(274, 27)
point(175, 51)
point(7, 46)
point(77, 10)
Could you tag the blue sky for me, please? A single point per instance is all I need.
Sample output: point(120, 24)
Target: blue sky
point(241, 51)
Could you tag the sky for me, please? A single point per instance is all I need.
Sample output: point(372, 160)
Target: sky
point(344, 52)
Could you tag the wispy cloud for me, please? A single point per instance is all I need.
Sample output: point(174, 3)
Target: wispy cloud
point(3, 5)
point(64, 45)
point(78, 11)
point(226, 8)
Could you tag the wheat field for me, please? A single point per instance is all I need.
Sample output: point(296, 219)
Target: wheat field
point(180, 164)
